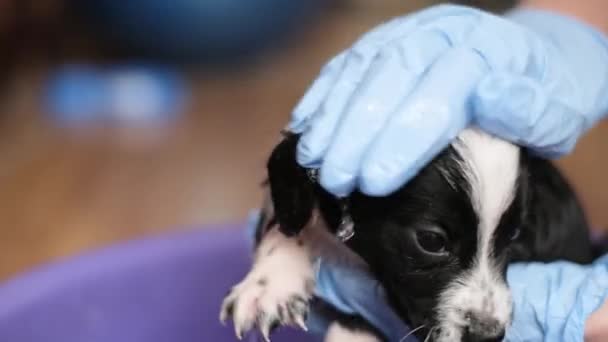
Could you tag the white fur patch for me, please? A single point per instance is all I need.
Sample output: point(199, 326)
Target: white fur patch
point(281, 282)
point(491, 166)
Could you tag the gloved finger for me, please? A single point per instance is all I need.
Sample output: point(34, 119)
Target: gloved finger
point(314, 142)
point(388, 81)
point(315, 95)
point(451, 20)
point(368, 44)
point(521, 110)
point(424, 124)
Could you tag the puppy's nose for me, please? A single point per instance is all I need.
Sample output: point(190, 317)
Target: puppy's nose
point(482, 328)
point(472, 338)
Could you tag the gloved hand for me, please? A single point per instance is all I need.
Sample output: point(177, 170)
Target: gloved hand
point(381, 110)
point(551, 301)
point(353, 290)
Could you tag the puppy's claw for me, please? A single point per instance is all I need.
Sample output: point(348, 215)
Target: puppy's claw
point(265, 332)
point(223, 316)
point(226, 310)
point(240, 329)
point(267, 325)
point(300, 323)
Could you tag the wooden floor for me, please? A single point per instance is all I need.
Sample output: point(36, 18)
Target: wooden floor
point(64, 193)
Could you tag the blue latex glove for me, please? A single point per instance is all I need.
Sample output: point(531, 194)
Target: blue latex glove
point(381, 110)
point(551, 301)
point(353, 291)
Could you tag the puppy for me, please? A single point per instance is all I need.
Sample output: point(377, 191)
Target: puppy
point(440, 245)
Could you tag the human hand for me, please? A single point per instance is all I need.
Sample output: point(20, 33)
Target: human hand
point(354, 291)
point(552, 302)
point(381, 110)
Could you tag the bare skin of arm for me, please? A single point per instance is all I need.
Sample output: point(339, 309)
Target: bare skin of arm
point(596, 328)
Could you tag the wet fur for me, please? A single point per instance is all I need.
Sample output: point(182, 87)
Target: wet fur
point(544, 207)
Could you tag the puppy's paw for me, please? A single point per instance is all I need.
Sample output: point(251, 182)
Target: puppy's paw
point(266, 302)
point(276, 292)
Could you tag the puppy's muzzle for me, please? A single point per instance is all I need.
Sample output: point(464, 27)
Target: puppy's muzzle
point(483, 328)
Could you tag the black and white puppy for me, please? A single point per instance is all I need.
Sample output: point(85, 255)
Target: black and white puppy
point(439, 246)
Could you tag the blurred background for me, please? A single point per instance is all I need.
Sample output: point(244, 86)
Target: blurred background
point(123, 119)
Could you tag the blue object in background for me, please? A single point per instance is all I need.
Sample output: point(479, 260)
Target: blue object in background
point(196, 30)
point(140, 94)
point(76, 94)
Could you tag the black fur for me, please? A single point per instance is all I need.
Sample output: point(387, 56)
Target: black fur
point(555, 225)
point(293, 193)
point(545, 219)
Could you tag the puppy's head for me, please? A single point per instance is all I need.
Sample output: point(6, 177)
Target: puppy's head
point(440, 244)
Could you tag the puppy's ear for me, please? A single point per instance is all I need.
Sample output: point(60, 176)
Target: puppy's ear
point(293, 193)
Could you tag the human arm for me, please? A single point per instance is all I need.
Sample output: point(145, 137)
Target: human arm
point(596, 327)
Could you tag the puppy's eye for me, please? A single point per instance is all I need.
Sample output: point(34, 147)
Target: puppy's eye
point(432, 241)
point(515, 233)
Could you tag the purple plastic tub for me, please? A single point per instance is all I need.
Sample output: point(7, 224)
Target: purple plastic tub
point(164, 289)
